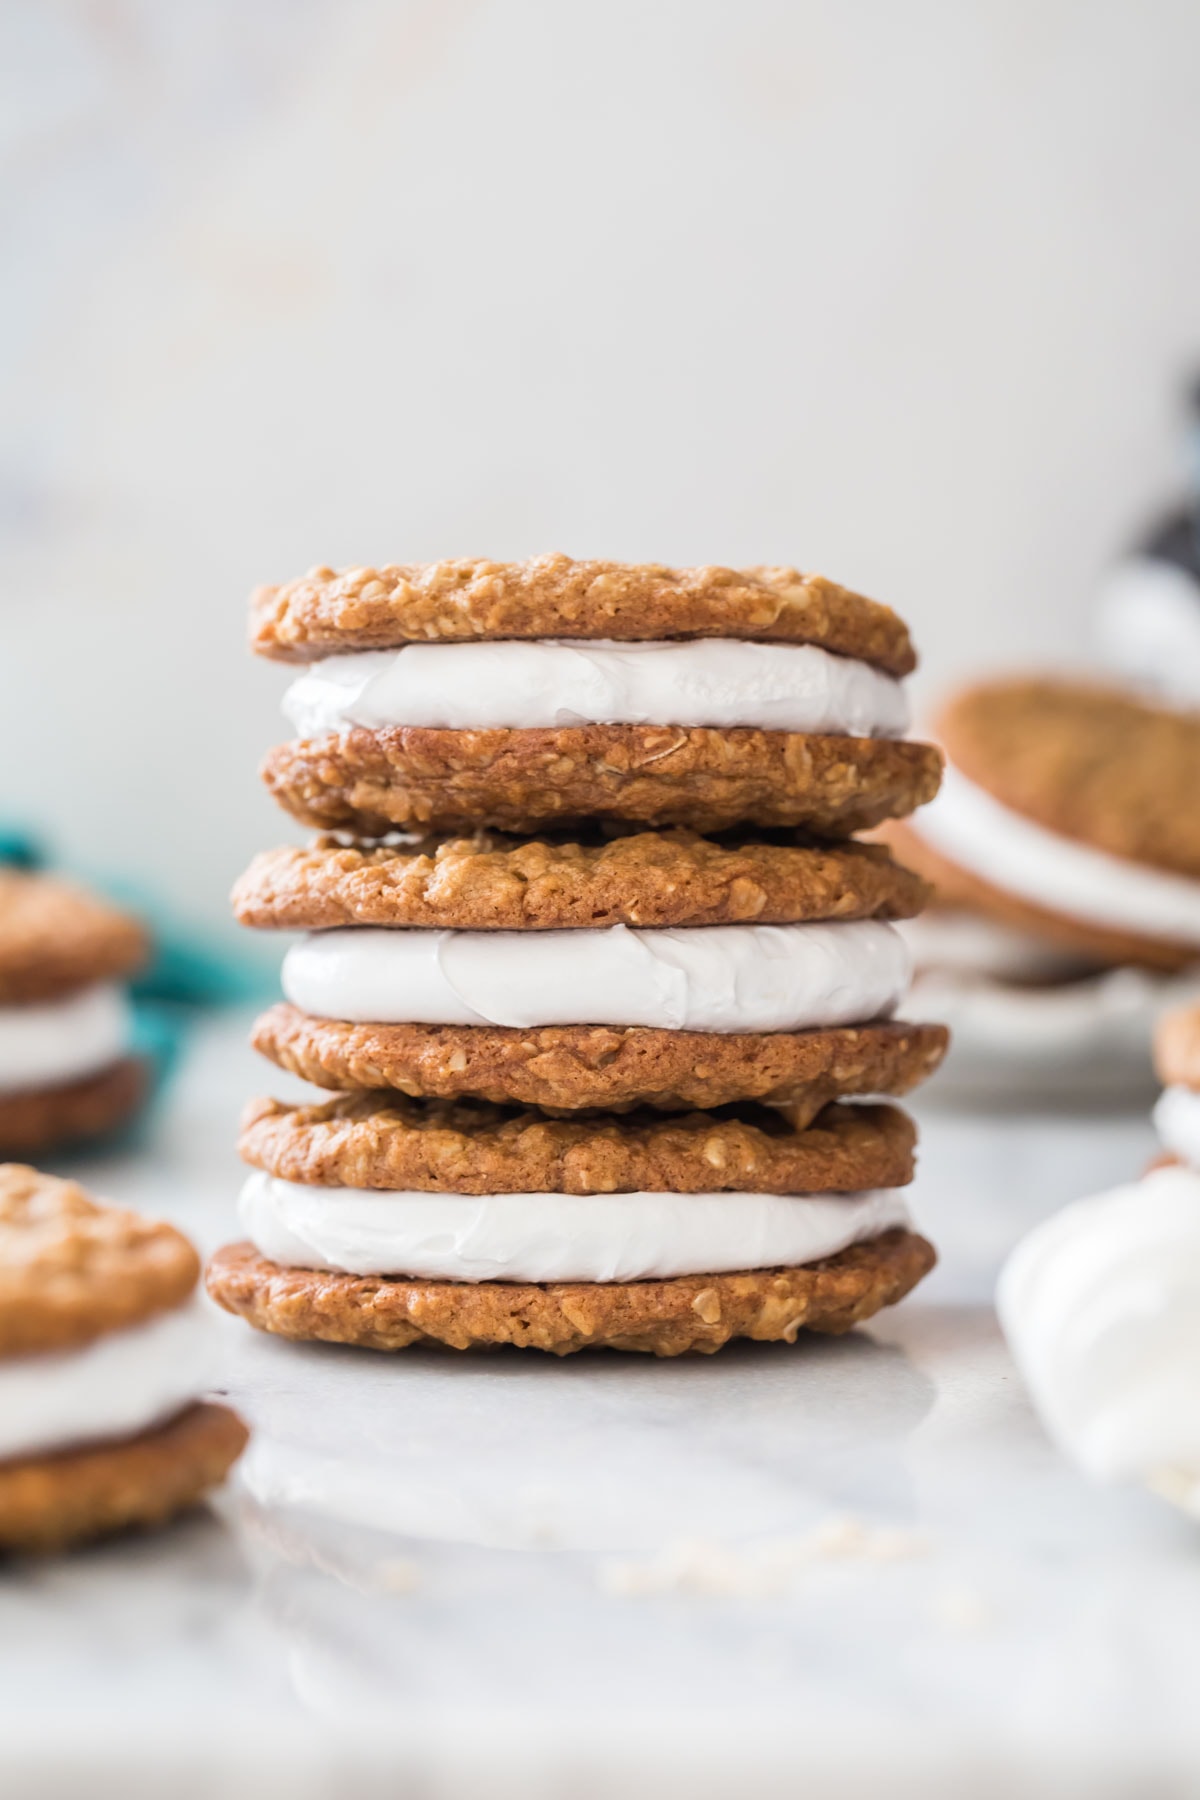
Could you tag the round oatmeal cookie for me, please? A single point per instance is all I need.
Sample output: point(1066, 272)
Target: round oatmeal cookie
point(51, 1502)
point(415, 778)
point(1177, 1048)
point(1087, 762)
point(471, 1147)
point(958, 887)
point(55, 937)
point(328, 611)
point(42, 1119)
point(71, 1269)
point(665, 1318)
point(493, 883)
point(573, 1068)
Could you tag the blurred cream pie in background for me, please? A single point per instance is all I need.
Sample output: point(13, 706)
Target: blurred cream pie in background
point(67, 1069)
point(1064, 849)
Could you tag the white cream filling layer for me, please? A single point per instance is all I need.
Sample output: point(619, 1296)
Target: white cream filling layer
point(1101, 1309)
point(1177, 1121)
point(553, 1237)
point(716, 978)
point(1150, 626)
point(120, 1384)
point(57, 1041)
point(1013, 854)
point(552, 682)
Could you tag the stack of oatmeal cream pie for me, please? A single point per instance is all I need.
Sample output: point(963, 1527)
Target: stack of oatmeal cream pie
point(595, 968)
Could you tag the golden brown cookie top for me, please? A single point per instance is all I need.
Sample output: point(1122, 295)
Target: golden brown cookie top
point(71, 1269)
point(471, 1147)
point(55, 936)
point(328, 610)
point(1177, 1048)
point(494, 883)
point(1085, 761)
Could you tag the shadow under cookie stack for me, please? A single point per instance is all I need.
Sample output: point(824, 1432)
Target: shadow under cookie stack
point(600, 979)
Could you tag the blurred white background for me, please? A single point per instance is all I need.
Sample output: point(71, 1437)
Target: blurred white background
point(901, 290)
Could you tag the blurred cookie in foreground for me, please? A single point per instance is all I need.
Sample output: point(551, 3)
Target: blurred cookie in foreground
point(105, 1350)
point(1065, 852)
point(67, 1072)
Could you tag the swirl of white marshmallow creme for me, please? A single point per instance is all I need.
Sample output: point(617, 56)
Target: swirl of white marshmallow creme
point(1101, 1309)
point(708, 682)
point(1018, 857)
point(1177, 1121)
point(120, 1384)
point(51, 1042)
point(553, 1237)
point(726, 978)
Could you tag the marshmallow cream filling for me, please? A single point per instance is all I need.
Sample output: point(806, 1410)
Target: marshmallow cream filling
point(729, 978)
point(1101, 1309)
point(57, 1041)
point(122, 1383)
point(1019, 857)
point(1177, 1121)
point(553, 1237)
point(710, 682)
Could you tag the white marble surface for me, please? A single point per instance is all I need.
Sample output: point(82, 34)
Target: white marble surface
point(432, 1577)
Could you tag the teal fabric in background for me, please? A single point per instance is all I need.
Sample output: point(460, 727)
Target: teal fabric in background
point(186, 977)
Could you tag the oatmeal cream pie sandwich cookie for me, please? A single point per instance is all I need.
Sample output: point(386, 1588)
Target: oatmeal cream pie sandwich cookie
point(67, 1071)
point(457, 694)
point(659, 969)
point(388, 1223)
point(105, 1353)
point(1069, 812)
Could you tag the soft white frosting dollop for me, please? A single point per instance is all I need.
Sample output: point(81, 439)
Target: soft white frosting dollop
point(1101, 1309)
point(715, 978)
point(1012, 853)
point(57, 1041)
point(1177, 1121)
point(553, 1237)
point(120, 1384)
point(553, 682)
point(1150, 626)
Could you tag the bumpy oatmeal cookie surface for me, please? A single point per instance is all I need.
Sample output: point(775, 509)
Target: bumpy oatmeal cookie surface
point(415, 778)
point(491, 882)
point(328, 611)
point(663, 1318)
point(71, 1269)
point(470, 1147)
point(571, 1068)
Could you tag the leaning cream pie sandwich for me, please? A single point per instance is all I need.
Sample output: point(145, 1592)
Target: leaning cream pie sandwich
point(104, 1356)
point(66, 1067)
point(1066, 864)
